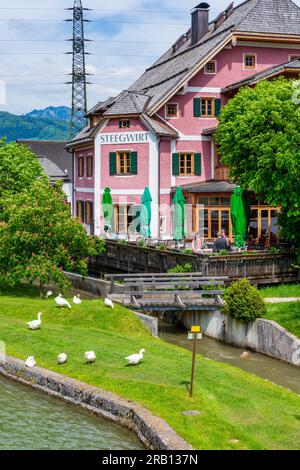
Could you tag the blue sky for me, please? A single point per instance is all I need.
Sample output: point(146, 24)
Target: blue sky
point(127, 39)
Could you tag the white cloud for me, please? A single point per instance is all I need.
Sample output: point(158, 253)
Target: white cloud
point(115, 65)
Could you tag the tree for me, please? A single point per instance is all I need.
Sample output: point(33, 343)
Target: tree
point(39, 239)
point(259, 139)
point(18, 168)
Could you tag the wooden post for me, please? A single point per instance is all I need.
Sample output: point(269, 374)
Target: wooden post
point(193, 364)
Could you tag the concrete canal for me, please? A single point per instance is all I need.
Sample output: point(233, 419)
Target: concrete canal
point(30, 420)
point(263, 366)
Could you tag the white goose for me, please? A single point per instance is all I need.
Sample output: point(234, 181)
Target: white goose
point(61, 302)
point(49, 293)
point(30, 362)
point(109, 303)
point(77, 300)
point(135, 359)
point(35, 324)
point(90, 357)
point(62, 358)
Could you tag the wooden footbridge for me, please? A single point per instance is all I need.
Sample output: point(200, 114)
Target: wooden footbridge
point(178, 292)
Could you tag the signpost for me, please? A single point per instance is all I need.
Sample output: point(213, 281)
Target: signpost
point(194, 335)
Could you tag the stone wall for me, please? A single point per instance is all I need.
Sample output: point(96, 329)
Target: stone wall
point(263, 336)
point(154, 432)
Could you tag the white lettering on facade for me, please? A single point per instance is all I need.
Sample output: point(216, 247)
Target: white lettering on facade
point(125, 138)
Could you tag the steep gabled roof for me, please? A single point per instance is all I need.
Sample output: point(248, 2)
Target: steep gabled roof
point(292, 66)
point(52, 151)
point(173, 68)
point(127, 103)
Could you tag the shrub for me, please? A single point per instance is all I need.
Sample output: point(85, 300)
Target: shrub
point(181, 268)
point(142, 244)
point(244, 301)
point(162, 247)
point(223, 253)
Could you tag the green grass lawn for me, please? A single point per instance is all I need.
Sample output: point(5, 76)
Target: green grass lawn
point(286, 314)
point(238, 410)
point(284, 290)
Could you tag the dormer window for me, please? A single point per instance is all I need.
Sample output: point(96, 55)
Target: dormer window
point(249, 61)
point(171, 110)
point(124, 124)
point(294, 57)
point(211, 67)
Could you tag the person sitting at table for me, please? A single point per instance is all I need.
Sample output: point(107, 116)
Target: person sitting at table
point(223, 235)
point(197, 243)
point(220, 244)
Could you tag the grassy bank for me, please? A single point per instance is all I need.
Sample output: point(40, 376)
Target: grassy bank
point(287, 314)
point(237, 410)
point(284, 290)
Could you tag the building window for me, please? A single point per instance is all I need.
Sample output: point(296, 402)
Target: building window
point(89, 167)
point(124, 124)
point(123, 163)
point(186, 164)
point(80, 167)
point(80, 211)
point(207, 107)
point(88, 213)
point(249, 61)
point(171, 110)
point(211, 67)
point(294, 57)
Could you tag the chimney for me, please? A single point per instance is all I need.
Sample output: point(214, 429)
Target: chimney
point(200, 16)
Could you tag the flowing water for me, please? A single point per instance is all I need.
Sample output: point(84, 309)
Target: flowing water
point(30, 420)
point(263, 366)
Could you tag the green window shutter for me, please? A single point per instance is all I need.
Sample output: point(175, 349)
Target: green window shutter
point(198, 166)
point(197, 107)
point(120, 124)
point(134, 163)
point(218, 106)
point(175, 164)
point(113, 163)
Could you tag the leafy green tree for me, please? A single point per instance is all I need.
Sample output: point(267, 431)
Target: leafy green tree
point(259, 139)
point(19, 168)
point(39, 238)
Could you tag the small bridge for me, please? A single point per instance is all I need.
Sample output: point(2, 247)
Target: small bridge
point(178, 292)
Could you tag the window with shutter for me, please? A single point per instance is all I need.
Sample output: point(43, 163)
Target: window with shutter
point(112, 163)
point(134, 163)
point(218, 106)
point(197, 164)
point(80, 168)
point(175, 164)
point(197, 107)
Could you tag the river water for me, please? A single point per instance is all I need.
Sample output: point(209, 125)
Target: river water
point(31, 420)
point(263, 366)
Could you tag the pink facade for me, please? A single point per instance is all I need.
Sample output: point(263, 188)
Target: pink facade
point(154, 150)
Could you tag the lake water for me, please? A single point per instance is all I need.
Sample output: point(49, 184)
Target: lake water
point(31, 420)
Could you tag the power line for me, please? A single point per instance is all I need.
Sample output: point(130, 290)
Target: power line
point(87, 53)
point(167, 12)
point(40, 20)
point(90, 40)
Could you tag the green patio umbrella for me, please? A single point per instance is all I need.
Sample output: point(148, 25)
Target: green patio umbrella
point(108, 209)
point(239, 216)
point(145, 215)
point(179, 215)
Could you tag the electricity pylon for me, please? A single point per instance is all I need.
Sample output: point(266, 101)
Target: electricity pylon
point(79, 82)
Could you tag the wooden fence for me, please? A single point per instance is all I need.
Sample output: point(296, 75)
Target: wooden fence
point(259, 267)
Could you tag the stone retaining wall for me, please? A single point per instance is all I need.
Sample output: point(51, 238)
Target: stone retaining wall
point(263, 336)
point(154, 432)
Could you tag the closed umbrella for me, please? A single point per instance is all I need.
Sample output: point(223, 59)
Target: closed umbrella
point(239, 216)
point(179, 215)
point(108, 209)
point(145, 215)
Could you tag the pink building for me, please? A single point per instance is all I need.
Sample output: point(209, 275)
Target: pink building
point(159, 132)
